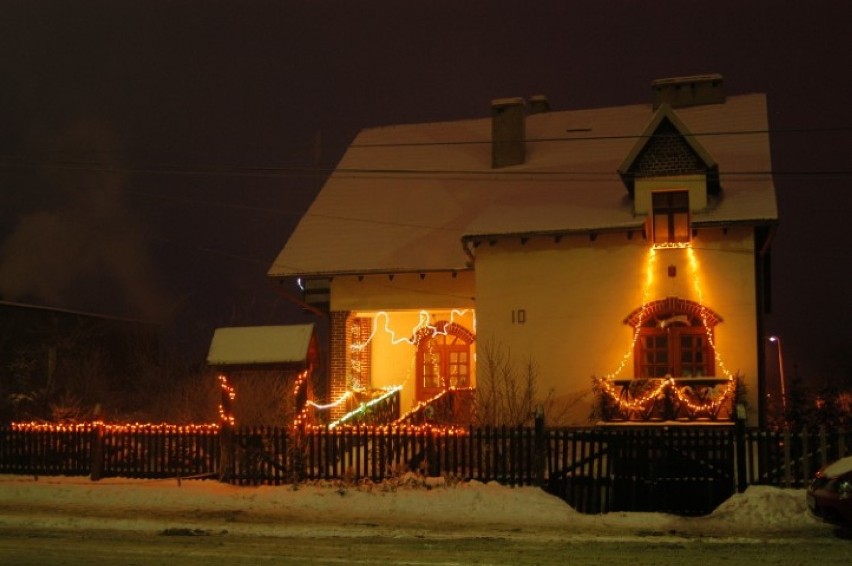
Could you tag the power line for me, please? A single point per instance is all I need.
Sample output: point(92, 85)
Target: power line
point(617, 137)
point(95, 167)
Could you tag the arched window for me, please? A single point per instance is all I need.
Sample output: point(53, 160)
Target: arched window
point(674, 338)
point(443, 358)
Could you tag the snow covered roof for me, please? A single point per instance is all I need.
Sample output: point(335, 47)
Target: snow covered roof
point(260, 344)
point(403, 197)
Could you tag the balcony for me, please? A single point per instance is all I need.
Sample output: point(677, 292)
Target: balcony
point(683, 399)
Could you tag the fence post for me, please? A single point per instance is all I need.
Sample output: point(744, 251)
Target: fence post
point(739, 430)
point(226, 452)
point(787, 461)
point(539, 443)
point(97, 455)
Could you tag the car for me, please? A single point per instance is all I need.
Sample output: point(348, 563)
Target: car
point(829, 495)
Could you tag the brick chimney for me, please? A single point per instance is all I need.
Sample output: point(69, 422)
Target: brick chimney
point(508, 132)
point(538, 104)
point(679, 92)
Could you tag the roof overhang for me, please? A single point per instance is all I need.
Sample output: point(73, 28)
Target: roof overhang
point(261, 345)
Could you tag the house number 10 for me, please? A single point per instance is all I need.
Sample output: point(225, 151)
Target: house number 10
point(519, 316)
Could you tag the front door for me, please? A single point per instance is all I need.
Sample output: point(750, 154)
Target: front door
point(443, 362)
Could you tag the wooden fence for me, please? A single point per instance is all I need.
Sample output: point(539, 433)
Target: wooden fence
point(679, 469)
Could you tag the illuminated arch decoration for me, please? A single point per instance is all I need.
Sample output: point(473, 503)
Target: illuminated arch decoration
point(443, 327)
point(672, 306)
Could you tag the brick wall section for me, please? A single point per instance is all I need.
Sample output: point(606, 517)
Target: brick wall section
point(359, 332)
point(340, 341)
point(365, 327)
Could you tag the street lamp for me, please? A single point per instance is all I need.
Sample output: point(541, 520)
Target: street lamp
point(777, 340)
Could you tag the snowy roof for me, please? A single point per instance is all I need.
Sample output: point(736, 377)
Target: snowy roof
point(260, 344)
point(403, 197)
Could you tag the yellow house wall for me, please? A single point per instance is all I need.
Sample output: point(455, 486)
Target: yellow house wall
point(575, 294)
point(403, 291)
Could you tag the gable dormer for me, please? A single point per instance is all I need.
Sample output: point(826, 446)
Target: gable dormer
point(668, 158)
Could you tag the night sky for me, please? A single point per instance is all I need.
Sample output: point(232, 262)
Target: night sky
point(155, 155)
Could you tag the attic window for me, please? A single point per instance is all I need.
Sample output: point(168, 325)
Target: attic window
point(670, 218)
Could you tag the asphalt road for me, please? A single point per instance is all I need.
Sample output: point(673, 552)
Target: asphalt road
point(183, 547)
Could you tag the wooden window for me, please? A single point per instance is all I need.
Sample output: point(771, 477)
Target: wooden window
point(670, 218)
point(675, 350)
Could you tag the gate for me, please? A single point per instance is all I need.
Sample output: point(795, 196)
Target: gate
point(679, 470)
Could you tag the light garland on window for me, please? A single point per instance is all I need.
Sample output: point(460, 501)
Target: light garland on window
point(644, 402)
point(650, 263)
point(696, 283)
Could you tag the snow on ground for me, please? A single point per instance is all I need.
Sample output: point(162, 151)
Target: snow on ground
point(393, 508)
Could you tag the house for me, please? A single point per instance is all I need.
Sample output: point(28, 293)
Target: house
point(618, 255)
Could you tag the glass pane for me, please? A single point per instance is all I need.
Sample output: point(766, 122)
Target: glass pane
point(679, 200)
point(681, 227)
point(661, 228)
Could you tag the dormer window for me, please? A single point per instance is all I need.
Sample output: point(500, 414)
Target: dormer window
point(670, 217)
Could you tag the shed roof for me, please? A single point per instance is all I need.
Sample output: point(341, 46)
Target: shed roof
point(404, 197)
point(248, 345)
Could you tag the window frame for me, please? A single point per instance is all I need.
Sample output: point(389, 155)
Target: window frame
point(673, 351)
point(671, 222)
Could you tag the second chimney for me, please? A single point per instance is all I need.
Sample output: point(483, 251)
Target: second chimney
point(508, 132)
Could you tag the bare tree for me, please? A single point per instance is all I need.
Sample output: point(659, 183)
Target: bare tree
point(506, 393)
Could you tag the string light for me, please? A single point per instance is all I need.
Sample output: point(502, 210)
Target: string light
point(340, 400)
point(116, 427)
point(226, 414)
point(395, 428)
point(362, 409)
point(301, 413)
point(644, 402)
point(422, 404)
point(422, 323)
point(696, 283)
point(650, 263)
